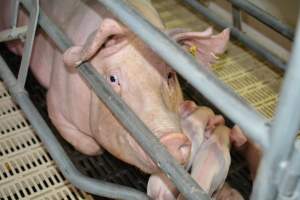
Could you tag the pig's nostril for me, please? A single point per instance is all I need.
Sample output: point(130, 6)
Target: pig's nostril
point(178, 145)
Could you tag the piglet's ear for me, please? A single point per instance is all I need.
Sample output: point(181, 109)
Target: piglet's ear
point(186, 108)
point(237, 137)
point(204, 46)
point(109, 34)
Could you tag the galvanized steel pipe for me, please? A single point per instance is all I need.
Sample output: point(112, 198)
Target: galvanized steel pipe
point(236, 17)
point(30, 35)
point(264, 17)
point(285, 127)
point(291, 176)
point(12, 34)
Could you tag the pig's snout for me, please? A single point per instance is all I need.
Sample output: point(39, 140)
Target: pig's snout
point(178, 145)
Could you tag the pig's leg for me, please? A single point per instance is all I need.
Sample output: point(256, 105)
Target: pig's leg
point(161, 188)
point(80, 141)
point(248, 149)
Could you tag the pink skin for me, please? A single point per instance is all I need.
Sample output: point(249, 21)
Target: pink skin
point(211, 162)
point(211, 165)
point(250, 151)
point(210, 157)
point(140, 77)
point(195, 123)
point(161, 188)
point(204, 46)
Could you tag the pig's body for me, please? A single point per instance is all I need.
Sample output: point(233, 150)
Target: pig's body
point(72, 106)
point(140, 77)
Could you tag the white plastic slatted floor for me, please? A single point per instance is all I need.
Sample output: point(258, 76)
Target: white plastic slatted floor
point(26, 169)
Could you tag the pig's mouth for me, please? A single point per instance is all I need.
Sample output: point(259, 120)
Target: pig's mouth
point(177, 144)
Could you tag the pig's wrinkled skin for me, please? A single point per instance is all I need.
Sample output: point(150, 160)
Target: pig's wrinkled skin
point(210, 156)
point(140, 77)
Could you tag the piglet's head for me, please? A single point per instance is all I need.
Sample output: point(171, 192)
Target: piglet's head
point(204, 46)
point(233, 138)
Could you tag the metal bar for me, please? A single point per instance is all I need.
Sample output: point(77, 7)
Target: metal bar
point(250, 43)
point(14, 14)
point(34, 14)
point(296, 196)
point(62, 160)
point(291, 177)
point(136, 127)
point(13, 34)
point(236, 17)
point(284, 127)
point(265, 18)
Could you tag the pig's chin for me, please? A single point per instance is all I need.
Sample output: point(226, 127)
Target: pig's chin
point(142, 160)
point(146, 164)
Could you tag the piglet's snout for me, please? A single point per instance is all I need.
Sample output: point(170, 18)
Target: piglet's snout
point(178, 145)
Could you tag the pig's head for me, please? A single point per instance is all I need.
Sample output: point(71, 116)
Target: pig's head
point(144, 82)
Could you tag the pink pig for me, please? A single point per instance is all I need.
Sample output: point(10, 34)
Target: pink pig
point(143, 80)
point(210, 157)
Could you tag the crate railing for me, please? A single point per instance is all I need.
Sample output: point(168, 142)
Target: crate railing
point(221, 96)
point(264, 17)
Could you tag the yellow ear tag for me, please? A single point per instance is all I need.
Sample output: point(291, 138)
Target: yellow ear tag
point(7, 166)
point(193, 50)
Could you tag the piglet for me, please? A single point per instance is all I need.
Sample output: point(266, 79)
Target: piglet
point(195, 121)
point(210, 157)
point(212, 161)
point(161, 188)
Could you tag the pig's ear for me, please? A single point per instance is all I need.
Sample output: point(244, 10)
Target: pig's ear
point(237, 137)
point(186, 108)
point(108, 35)
point(204, 46)
point(72, 56)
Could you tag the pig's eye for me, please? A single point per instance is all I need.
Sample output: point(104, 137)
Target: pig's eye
point(114, 79)
point(170, 75)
